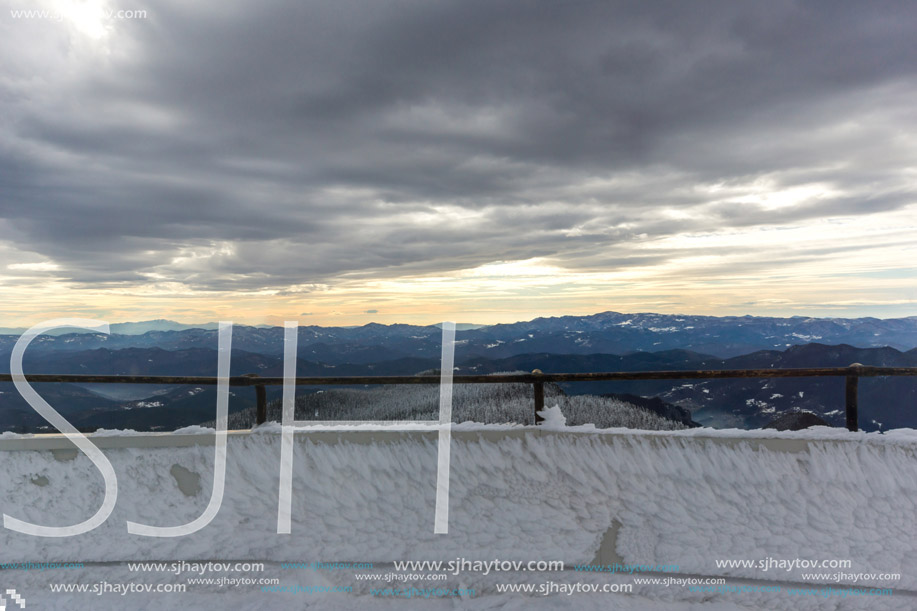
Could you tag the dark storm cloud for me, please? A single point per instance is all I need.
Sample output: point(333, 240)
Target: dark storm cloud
point(283, 144)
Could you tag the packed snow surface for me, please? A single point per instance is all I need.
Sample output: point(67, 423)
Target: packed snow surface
point(367, 494)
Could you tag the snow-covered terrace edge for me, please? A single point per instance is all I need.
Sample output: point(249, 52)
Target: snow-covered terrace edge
point(577, 494)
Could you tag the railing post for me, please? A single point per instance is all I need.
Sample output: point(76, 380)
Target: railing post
point(853, 380)
point(260, 401)
point(261, 404)
point(539, 397)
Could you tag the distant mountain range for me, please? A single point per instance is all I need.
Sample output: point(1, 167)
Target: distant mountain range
point(603, 342)
point(126, 328)
point(608, 332)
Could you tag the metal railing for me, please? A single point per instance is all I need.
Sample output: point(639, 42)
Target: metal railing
point(537, 379)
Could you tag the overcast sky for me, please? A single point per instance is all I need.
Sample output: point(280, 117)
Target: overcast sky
point(338, 162)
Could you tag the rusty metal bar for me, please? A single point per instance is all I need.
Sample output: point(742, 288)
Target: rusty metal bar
point(260, 400)
point(538, 388)
point(261, 404)
point(525, 378)
point(536, 378)
point(852, 397)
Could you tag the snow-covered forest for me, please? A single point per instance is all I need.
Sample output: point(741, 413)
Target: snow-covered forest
point(484, 403)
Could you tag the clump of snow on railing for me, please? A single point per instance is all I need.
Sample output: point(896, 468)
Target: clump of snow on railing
point(554, 418)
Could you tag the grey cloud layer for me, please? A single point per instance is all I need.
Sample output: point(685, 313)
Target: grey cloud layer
point(285, 144)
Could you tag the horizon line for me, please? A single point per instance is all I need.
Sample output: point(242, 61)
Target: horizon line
point(467, 325)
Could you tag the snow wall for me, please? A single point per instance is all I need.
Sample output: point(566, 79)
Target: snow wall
point(578, 495)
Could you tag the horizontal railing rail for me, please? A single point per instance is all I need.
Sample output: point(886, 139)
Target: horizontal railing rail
point(852, 374)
